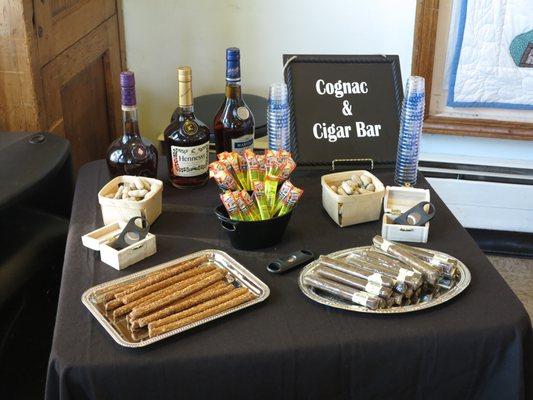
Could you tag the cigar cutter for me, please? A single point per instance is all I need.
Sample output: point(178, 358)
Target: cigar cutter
point(131, 234)
point(292, 261)
point(417, 215)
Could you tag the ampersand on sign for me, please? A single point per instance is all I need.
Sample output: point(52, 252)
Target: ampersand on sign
point(346, 108)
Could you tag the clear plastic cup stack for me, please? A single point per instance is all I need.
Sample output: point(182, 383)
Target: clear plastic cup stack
point(278, 127)
point(411, 121)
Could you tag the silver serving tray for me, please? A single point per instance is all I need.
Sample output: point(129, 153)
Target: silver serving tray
point(119, 330)
point(461, 282)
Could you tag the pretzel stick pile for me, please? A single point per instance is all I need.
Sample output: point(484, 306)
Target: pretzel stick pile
point(173, 297)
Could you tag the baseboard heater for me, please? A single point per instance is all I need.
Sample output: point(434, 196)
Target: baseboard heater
point(494, 203)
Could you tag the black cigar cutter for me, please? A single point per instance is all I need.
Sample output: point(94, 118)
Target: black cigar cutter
point(293, 260)
point(417, 215)
point(131, 234)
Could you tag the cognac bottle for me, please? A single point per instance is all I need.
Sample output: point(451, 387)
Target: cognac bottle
point(131, 154)
point(234, 123)
point(187, 139)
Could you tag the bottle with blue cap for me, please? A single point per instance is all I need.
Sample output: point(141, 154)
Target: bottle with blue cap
point(234, 123)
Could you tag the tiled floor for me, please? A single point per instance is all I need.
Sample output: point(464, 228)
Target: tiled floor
point(518, 273)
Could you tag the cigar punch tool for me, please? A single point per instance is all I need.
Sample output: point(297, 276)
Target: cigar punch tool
point(131, 233)
point(290, 262)
point(417, 215)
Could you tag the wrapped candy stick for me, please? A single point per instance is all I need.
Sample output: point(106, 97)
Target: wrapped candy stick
point(252, 167)
point(233, 160)
point(250, 204)
point(262, 167)
point(287, 169)
point(272, 177)
point(243, 165)
point(245, 209)
point(283, 193)
point(260, 199)
point(231, 206)
point(290, 201)
point(223, 178)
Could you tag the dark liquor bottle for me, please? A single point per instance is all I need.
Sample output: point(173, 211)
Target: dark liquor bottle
point(234, 123)
point(187, 139)
point(131, 154)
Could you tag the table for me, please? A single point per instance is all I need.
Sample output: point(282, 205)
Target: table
point(479, 345)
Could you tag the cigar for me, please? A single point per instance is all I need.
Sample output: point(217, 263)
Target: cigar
point(401, 271)
point(357, 261)
point(155, 331)
point(430, 273)
point(159, 276)
point(358, 283)
point(344, 292)
point(165, 283)
point(356, 271)
point(210, 292)
point(446, 264)
point(176, 295)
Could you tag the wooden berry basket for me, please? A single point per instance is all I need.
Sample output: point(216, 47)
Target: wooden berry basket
point(348, 210)
point(116, 210)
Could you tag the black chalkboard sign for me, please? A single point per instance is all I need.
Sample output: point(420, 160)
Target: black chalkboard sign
point(344, 107)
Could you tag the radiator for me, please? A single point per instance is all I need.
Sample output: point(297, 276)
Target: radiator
point(484, 197)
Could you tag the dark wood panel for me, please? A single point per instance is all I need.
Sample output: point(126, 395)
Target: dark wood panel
point(85, 118)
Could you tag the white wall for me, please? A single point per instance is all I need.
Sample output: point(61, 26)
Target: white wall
point(163, 34)
point(160, 35)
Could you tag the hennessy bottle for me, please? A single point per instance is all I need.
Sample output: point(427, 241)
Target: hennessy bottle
point(131, 154)
point(234, 123)
point(187, 139)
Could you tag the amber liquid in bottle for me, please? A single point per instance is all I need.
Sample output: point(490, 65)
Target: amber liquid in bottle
point(187, 140)
point(131, 154)
point(234, 123)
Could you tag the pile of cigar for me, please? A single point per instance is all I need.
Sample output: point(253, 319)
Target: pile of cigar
point(266, 175)
point(137, 190)
point(386, 275)
point(173, 297)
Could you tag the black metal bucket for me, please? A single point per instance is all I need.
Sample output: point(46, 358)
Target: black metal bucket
point(251, 235)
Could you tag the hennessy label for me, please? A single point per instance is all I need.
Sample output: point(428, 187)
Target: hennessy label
point(190, 161)
point(242, 143)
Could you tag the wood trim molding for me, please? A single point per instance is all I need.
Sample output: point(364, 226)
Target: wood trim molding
point(427, 13)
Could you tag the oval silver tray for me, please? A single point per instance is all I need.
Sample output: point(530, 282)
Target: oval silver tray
point(461, 284)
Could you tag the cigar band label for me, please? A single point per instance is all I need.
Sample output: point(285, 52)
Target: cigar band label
point(372, 288)
point(385, 245)
point(360, 298)
point(404, 273)
point(190, 161)
point(375, 277)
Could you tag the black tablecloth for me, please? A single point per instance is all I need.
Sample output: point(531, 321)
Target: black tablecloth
point(477, 346)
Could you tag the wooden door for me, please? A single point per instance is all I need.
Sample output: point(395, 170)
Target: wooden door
point(79, 52)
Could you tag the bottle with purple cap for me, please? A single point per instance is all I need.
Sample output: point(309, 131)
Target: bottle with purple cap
point(234, 123)
point(131, 154)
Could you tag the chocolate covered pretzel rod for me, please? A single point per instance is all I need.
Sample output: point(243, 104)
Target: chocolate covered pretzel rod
point(126, 308)
point(430, 273)
point(167, 282)
point(354, 270)
point(109, 293)
point(155, 331)
point(350, 280)
point(210, 292)
point(112, 304)
point(142, 310)
point(158, 276)
point(344, 292)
